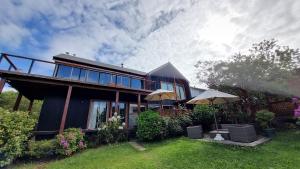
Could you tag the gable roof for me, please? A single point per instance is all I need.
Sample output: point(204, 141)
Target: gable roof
point(74, 59)
point(167, 70)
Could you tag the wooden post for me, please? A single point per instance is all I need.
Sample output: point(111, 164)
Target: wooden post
point(17, 103)
point(30, 105)
point(127, 114)
point(64, 115)
point(139, 104)
point(2, 84)
point(117, 102)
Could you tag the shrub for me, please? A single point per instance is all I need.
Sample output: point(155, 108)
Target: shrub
point(112, 131)
point(184, 120)
point(41, 149)
point(203, 114)
point(70, 141)
point(264, 118)
point(15, 129)
point(173, 127)
point(150, 126)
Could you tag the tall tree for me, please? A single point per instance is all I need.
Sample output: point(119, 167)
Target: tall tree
point(265, 70)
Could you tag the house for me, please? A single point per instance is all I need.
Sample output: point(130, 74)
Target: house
point(83, 93)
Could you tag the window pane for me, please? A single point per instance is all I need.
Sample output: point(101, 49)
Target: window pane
point(182, 93)
point(97, 115)
point(136, 83)
point(93, 76)
point(105, 78)
point(82, 75)
point(167, 86)
point(126, 81)
point(119, 80)
point(63, 71)
point(113, 79)
point(122, 110)
point(75, 73)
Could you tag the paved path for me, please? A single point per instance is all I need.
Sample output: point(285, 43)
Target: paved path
point(137, 146)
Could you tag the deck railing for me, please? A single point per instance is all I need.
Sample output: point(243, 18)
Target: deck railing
point(33, 66)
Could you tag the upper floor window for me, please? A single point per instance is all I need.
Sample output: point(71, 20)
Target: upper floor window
point(75, 73)
point(123, 81)
point(82, 76)
point(136, 83)
point(93, 76)
point(180, 92)
point(63, 71)
point(167, 86)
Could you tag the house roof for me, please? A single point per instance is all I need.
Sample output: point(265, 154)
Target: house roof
point(66, 57)
point(167, 70)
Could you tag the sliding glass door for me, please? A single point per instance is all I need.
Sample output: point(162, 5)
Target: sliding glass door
point(98, 113)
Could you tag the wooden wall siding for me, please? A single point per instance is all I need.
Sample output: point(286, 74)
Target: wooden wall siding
point(283, 108)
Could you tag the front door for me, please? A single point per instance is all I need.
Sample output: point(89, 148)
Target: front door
point(98, 114)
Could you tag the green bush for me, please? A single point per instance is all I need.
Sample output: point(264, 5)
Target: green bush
point(150, 126)
point(70, 141)
point(41, 149)
point(264, 118)
point(15, 129)
point(184, 120)
point(204, 115)
point(173, 126)
point(112, 131)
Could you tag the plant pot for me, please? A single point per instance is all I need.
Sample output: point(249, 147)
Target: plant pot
point(195, 132)
point(270, 132)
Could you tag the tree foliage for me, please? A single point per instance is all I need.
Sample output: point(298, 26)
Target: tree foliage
point(8, 99)
point(266, 70)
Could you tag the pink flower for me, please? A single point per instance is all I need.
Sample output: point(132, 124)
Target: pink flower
point(81, 145)
point(66, 145)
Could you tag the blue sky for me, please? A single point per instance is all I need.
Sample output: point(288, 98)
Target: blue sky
point(144, 34)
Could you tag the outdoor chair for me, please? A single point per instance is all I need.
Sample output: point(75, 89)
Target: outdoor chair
point(244, 133)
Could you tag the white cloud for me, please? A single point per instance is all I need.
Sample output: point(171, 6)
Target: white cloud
point(145, 34)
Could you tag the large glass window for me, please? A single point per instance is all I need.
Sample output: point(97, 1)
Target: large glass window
point(167, 86)
point(122, 110)
point(97, 116)
point(136, 83)
point(105, 78)
point(75, 73)
point(93, 76)
point(180, 92)
point(82, 75)
point(123, 81)
point(63, 71)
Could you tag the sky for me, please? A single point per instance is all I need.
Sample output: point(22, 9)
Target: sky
point(144, 34)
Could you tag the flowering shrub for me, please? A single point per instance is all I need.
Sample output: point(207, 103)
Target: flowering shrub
point(112, 131)
point(70, 141)
point(15, 129)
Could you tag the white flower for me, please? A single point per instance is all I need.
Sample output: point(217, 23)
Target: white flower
point(114, 118)
point(104, 127)
point(121, 127)
point(109, 119)
point(115, 114)
point(98, 129)
point(118, 117)
point(123, 124)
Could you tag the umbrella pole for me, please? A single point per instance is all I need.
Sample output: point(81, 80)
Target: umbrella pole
point(218, 135)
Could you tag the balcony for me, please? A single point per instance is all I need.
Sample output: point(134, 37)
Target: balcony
point(46, 69)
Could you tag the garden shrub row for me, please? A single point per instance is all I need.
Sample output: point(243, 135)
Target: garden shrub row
point(151, 126)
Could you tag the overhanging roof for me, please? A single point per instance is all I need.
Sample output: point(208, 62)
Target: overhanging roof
point(74, 59)
point(167, 70)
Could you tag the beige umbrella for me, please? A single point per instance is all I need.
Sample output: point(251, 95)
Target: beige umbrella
point(211, 97)
point(160, 95)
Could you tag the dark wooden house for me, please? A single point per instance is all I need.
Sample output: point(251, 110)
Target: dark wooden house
point(78, 92)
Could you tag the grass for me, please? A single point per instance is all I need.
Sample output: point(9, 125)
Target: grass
point(282, 152)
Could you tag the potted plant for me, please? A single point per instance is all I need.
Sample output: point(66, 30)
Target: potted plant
point(264, 118)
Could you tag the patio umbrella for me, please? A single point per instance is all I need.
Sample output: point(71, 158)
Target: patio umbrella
point(211, 97)
point(160, 95)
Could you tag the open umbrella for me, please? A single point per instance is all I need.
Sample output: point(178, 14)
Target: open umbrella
point(211, 97)
point(160, 95)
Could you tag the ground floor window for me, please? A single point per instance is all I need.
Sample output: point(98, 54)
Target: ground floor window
point(133, 114)
point(122, 110)
point(97, 114)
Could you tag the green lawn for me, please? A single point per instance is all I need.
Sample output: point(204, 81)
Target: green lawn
point(282, 152)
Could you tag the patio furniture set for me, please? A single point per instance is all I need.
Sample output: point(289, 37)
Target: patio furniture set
point(244, 133)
